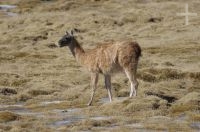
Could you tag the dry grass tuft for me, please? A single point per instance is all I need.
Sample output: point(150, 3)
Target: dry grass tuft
point(183, 127)
point(13, 80)
point(195, 117)
point(148, 103)
point(24, 97)
point(190, 98)
point(187, 103)
point(195, 75)
point(155, 75)
point(5, 128)
point(168, 98)
point(178, 109)
point(96, 123)
point(156, 127)
point(37, 92)
point(7, 91)
point(6, 116)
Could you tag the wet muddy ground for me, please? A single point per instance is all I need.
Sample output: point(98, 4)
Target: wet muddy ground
point(57, 118)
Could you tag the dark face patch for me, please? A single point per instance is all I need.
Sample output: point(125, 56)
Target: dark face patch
point(65, 40)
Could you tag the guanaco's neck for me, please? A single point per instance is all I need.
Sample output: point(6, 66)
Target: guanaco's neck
point(76, 49)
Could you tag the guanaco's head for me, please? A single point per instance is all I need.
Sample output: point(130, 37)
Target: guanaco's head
point(66, 39)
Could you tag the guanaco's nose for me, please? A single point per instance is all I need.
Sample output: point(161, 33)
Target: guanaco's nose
point(60, 43)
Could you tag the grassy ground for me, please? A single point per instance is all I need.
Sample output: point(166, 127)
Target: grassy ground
point(32, 70)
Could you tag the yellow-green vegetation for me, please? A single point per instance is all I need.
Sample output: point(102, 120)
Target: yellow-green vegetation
point(42, 86)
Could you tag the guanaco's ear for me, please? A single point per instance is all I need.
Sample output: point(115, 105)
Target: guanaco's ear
point(72, 32)
point(67, 33)
point(76, 30)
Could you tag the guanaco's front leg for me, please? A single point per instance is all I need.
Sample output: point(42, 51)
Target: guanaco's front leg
point(108, 86)
point(94, 81)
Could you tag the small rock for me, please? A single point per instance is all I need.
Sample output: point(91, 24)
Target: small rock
point(65, 111)
point(155, 19)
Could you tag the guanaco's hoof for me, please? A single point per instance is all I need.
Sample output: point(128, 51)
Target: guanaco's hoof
point(89, 104)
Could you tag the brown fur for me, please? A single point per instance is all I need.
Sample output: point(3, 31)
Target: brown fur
point(106, 59)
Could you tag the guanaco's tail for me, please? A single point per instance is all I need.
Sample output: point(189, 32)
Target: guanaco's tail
point(138, 50)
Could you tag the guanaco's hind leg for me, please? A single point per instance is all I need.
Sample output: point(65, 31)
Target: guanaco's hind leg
point(131, 74)
point(108, 86)
point(94, 81)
